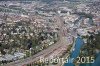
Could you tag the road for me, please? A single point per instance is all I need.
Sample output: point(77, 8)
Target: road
point(43, 53)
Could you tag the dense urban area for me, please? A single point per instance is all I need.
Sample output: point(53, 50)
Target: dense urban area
point(35, 29)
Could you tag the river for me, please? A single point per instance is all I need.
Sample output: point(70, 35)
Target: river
point(75, 53)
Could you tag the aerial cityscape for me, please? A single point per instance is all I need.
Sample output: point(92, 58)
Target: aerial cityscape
point(49, 32)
